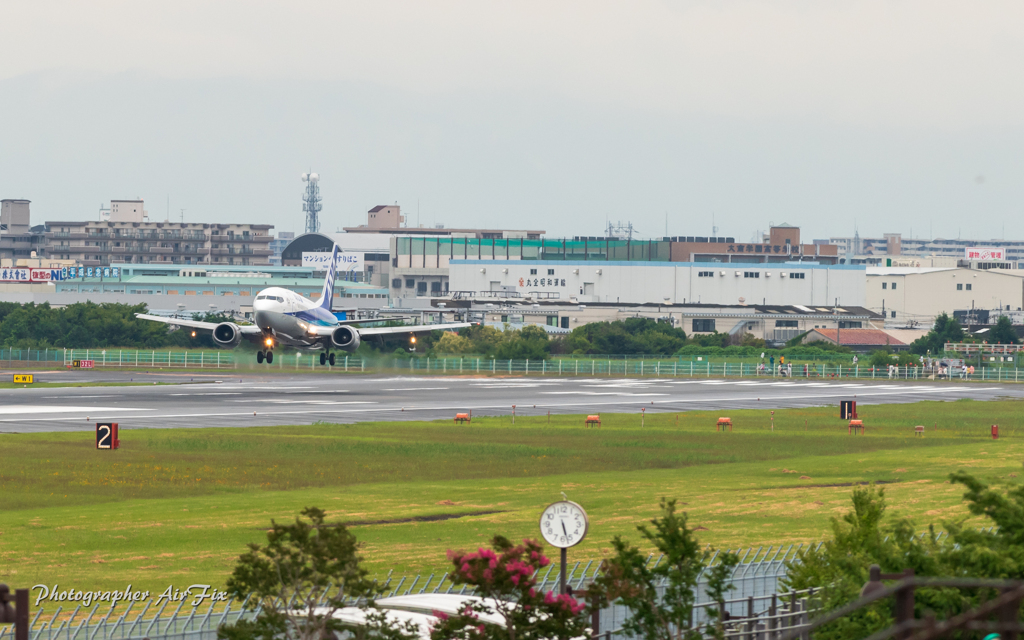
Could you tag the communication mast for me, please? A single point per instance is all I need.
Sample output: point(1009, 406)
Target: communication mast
point(311, 202)
point(620, 230)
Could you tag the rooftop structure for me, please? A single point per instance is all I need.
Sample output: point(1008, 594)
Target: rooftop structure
point(17, 239)
point(388, 219)
point(856, 339)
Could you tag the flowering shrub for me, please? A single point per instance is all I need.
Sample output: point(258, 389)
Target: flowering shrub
point(504, 580)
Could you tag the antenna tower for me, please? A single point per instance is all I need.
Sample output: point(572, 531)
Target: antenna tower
point(311, 202)
point(620, 230)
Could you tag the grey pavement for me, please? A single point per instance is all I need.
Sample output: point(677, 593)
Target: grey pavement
point(215, 399)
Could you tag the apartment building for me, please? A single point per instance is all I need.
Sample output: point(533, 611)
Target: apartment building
point(99, 243)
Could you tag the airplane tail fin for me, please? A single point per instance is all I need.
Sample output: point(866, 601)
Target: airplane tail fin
point(327, 297)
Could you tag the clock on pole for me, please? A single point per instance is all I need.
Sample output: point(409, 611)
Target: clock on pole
point(563, 524)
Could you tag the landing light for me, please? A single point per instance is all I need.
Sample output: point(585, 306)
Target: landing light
point(412, 339)
point(269, 342)
point(193, 334)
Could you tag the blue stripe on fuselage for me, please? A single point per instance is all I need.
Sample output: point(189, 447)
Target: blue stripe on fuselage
point(316, 315)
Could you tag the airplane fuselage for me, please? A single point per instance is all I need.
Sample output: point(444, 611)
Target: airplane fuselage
point(291, 319)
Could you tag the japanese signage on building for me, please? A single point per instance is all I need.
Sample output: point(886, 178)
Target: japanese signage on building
point(759, 248)
point(23, 274)
point(984, 253)
point(346, 261)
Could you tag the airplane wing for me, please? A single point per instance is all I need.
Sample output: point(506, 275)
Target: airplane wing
point(366, 320)
point(197, 324)
point(416, 328)
point(406, 328)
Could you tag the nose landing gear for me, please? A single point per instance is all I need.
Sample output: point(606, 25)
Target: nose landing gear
point(327, 357)
point(261, 356)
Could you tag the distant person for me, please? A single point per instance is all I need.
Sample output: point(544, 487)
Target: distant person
point(771, 362)
point(855, 361)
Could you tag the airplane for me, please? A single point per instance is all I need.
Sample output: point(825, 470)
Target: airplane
point(283, 317)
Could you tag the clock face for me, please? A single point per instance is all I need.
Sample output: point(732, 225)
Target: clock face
point(563, 524)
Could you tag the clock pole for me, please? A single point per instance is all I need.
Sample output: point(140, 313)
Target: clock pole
point(569, 536)
point(561, 578)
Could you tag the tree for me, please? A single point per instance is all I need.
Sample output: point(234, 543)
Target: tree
point(529, 343)
point(505, 574)
point(626, 337)
point(1003, 332)
point(297, 581)
point(630, 578)
point(862, 537)
point(453, 343)
point(945, 330)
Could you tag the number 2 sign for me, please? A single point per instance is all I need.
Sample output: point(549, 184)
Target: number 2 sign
point(106, 435)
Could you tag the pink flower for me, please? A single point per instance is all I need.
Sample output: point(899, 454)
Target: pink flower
point(440, 615)
point(515, 580)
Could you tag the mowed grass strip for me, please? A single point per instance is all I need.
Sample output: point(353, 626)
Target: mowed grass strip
point(53, 469)
point(179, 506)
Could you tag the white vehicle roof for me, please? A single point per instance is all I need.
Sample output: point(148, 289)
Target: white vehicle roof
point(449, 603)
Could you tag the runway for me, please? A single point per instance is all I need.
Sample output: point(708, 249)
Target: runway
point(224, 400)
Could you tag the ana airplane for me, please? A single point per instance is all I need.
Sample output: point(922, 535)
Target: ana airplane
point(286, 318)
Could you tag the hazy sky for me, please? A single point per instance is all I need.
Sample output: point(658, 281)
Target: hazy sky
point(900, 116)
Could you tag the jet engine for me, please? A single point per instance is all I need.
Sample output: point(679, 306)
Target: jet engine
point(226, 334)
point(346, 338)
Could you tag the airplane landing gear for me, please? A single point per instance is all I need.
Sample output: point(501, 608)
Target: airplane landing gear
point(259, 357)
point(323, 358)
point(327, 357)
point(270, 357)
point(330, 359)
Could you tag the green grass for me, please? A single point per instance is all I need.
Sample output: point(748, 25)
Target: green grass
point(180, 505)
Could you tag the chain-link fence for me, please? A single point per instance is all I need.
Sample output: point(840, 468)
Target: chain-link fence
point(756, 581)
point(583, 367)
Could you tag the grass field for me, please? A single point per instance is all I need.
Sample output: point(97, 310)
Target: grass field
point(180, 505)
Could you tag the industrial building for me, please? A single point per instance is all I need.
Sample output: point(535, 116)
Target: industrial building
point(197, 289)
point(914, 296)
point(797, 283)
point(773, 323)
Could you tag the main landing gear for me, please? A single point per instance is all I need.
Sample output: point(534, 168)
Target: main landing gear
point(327, 357)
point(268, 356)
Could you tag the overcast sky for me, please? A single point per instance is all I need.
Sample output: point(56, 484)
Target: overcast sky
point(896, 116)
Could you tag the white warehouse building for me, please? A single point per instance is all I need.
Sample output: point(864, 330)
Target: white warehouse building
point(918, 294)
point(634, 282)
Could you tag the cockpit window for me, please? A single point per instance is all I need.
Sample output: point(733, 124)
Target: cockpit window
point(261, 297)
point(279, 299)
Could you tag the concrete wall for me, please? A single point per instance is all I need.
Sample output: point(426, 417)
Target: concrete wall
point(670, 283)
point(922, 294)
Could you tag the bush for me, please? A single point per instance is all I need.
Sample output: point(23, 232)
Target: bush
point(880, 358)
